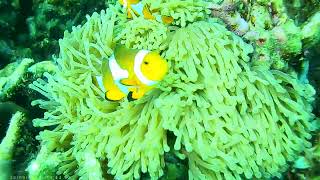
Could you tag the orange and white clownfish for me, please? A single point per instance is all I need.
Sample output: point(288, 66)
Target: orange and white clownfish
point(130, 70)
point(139, 9)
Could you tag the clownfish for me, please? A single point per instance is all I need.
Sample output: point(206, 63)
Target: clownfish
point(130, 70)
point(136, 7)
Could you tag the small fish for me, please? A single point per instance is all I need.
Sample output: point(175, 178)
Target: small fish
point(139, 9)
point(131, 70)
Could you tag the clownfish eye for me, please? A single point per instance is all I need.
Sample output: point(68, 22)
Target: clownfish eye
point(146, 62)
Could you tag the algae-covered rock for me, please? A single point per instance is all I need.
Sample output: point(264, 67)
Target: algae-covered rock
point(301, 10)
point(12, 76)
point(17, 75)
point(311, 31)
point(289, 38)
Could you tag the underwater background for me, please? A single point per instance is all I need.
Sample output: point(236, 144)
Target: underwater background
point(240, 100)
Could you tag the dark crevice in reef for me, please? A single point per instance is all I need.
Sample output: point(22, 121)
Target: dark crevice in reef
point(300, 10)
point(14, 36)
point(313, 56)
point(175, 168)
point(21, 30)
point(7, 109)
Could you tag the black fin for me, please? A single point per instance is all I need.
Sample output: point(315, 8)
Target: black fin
point(130, 96)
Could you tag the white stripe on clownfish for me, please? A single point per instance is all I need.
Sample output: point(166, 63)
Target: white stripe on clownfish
point(100, 83)
point(125, 4)
point(118, 73)
point(137, 68)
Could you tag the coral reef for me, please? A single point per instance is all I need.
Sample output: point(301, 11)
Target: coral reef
point(17, 74)
point(31, 28)
point(9, 142)
point(51, 18)
point(209, 100)
point(278, 37)
point(18, 141)
point(231, 116)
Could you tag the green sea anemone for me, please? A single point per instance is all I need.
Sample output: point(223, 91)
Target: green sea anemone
point(231, 118)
